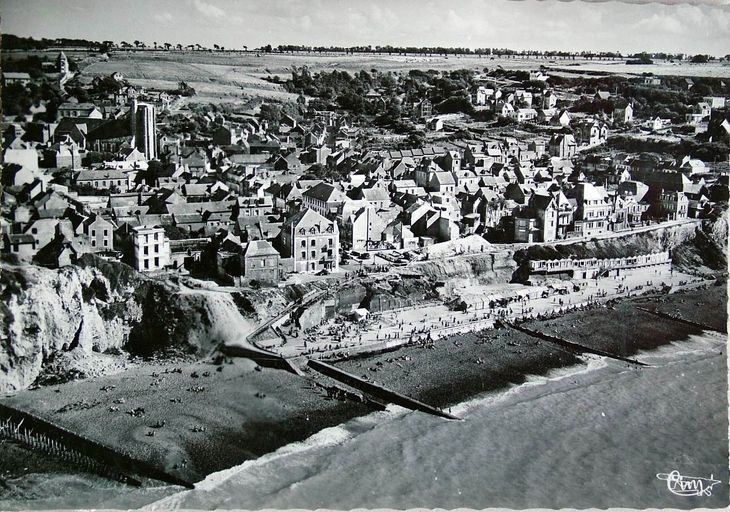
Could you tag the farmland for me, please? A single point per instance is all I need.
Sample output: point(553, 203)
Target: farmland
point(228, 76)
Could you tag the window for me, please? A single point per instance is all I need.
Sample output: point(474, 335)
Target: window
point(304, 255)
point(106, 243)
point(146, 250)
point(156, 236)
point(304, 243)
point(146, 263)
point(329, 242)
point(93, 243)
point(157, 262)
point(106, 232)
point(312, 242)
point(93, 232)
point(314, 254)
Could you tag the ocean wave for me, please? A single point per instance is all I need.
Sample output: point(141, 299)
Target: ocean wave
point(328, 437)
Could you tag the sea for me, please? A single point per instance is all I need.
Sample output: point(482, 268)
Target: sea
point(597, 435)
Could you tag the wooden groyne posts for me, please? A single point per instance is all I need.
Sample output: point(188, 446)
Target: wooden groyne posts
point(57, 441)
point(575, 347)
point(682, 320)
point(18, 432)
point(376, 390)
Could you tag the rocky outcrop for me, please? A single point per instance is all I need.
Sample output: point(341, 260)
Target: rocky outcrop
point(48, 312)
point(482, 268)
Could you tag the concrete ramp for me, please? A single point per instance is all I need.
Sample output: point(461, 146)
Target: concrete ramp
point(376, 390)
point(261, 357)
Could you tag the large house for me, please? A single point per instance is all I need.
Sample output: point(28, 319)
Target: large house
point(151, 248)
point(86, 110)
point(592, 209)
point(99, 232)
point(312, 241)
point(591, 132)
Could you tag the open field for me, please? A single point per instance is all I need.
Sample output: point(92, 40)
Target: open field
point(232, 76)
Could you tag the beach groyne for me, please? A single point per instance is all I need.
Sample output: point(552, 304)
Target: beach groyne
point(376, 390)
point(574, 347)
point(675, 318)
point(42, 435)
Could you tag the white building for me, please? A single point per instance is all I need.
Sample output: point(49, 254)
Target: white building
point(151, 248)
point(144, 128)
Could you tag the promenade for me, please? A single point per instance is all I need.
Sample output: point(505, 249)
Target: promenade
point(340, 337)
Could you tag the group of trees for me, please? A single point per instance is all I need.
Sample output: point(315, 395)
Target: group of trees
point(449, 91)
point(440, 50)
point(13, 42)
point(672, 100)
point(707, 151)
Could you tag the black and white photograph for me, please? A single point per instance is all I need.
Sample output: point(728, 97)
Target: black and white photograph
point(382, 254)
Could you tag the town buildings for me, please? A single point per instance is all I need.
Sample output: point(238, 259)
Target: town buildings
point(246, 199)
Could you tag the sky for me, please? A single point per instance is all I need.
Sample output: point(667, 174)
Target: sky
point(693, 26)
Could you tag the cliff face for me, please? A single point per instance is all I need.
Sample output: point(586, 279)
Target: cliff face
point(51, 317)
point(51, 312)
point(483, 268)
point(695, 249)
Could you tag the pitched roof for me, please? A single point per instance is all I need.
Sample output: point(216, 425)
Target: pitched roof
point(325, 192)
point(305, 218)
point(376, 194)
point(259, 248)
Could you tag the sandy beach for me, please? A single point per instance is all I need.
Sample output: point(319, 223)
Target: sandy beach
point(207, 417)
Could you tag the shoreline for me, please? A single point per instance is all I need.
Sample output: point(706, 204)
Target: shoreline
point(240, 426)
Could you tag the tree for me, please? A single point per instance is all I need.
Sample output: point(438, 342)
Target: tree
point(185, 90)
point(700, 59)
point(271, 113)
